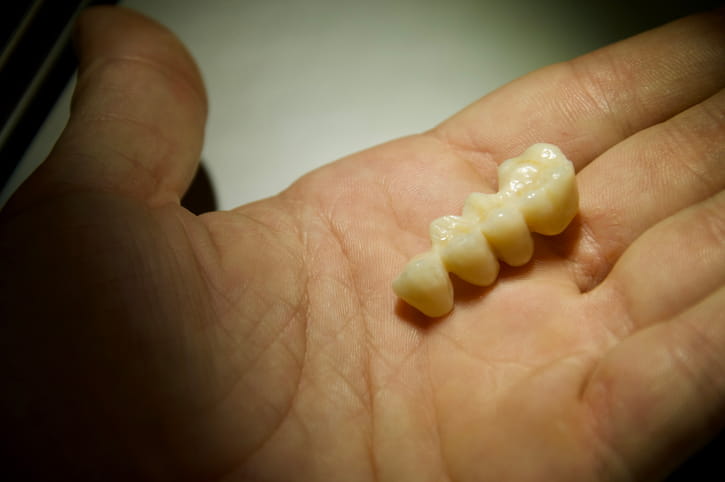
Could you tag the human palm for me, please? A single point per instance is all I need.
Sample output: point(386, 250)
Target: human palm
point(265, 343)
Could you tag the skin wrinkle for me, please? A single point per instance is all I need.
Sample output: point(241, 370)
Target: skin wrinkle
point(463, 154)
point(707, 114)
point(322, 391)
point(372, 388)
point(596, 84)
point(714, 113)
point(172, 76)
point(272, 229)
point(444, 463)
point(339, 238)
point(684, 363)
point(382, 385)
point(390, 204)
point(613, 333)
point(347, 321)
point(718, 234)
point(487, 360)
point(689, 376)
point(298, 312)
point(597, 398)
point(334, 365)
point(180, 216)
point(467, 147)
point(155, 188)
point(282, 419)
point(371, 453)
point(283, 327)
point(592, 265)
point(673, 126)
point(367, 371)
point(233, 386)
point(219, 295)
point(394, 371)
point(610, 459)
point(303, 281)
point(714, 219)
point(160, 195)
point(616, 289)
point(256, 323)
point(628, 320)
point(366, 403)
point(608, 453)
point(595, 87)
point(181, 86)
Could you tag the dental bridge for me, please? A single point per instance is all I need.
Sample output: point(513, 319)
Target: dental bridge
point(537, 193)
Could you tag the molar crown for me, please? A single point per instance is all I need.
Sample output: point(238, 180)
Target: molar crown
point(537, 193)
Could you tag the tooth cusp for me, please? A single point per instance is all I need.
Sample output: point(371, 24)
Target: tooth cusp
point(537, 193)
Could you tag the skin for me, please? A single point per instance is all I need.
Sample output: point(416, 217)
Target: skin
point(141, 342)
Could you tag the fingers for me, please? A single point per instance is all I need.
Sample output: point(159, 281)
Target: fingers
point(137, 116)
point(662, 390)
point(644, 179)
point(672, 266)
point(591, 103)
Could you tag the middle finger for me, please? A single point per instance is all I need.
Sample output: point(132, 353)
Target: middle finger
point(644, 179)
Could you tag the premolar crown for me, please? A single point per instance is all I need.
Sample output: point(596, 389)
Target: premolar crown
point(537, 193)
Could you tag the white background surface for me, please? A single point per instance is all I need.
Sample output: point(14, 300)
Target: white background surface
point(296, 84)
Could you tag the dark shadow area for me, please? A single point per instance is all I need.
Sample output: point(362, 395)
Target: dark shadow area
point(200, 198)
point(36, 62)
point(614, 20)
point(410, 315)
point(465, 292)
point(705, 465)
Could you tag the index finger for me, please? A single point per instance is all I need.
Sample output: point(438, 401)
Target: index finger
point(590, 103)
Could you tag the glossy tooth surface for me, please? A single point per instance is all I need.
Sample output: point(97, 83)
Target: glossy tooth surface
point(537, 193)
point(425, 285)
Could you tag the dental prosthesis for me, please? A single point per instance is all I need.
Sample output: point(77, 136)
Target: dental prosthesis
point(537, 193)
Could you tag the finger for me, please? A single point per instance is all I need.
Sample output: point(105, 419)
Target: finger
point(644, 179)
point(660, 394)
point(671, 267)
point(591, 103)
point(137, 115)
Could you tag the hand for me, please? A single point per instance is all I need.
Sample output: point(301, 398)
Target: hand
point(142, 342)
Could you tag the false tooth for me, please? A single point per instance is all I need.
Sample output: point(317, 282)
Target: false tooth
point(537, 193)
point(425, 285)
point(464, 250)
point(543, 184)
point(509, 236)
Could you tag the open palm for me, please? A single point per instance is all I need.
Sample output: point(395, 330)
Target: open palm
point(265, 343)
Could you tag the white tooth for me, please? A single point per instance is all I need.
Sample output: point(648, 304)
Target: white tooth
point(509, 236)
point(425, 285)
point(537, 192)
point(464, 250)
point(478, 205)
point(447, 227)
point(542, 181)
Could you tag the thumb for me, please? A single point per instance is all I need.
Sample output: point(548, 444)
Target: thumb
point(137, 115)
